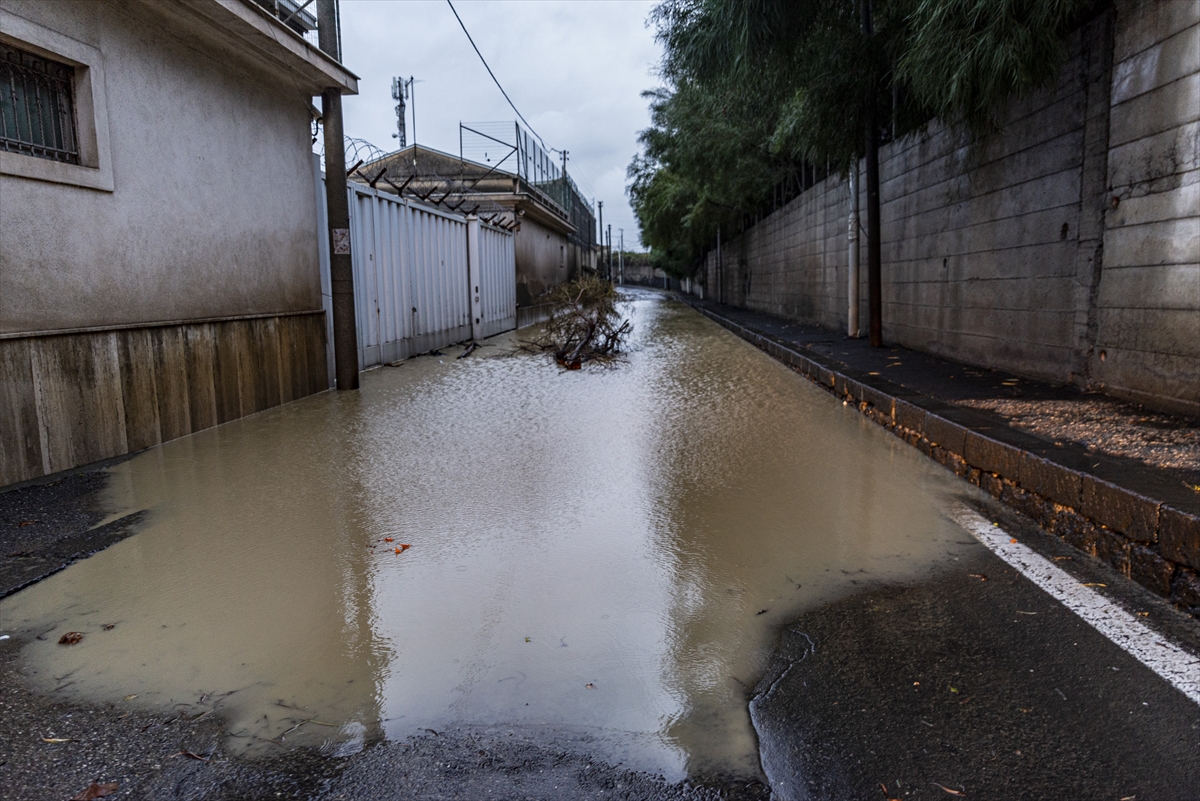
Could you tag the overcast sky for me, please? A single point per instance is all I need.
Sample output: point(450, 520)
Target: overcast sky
point(575, 69)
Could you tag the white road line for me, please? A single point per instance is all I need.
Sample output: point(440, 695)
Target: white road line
point(1176, 666)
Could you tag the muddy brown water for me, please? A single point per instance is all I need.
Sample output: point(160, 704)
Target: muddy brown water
point(603, 555)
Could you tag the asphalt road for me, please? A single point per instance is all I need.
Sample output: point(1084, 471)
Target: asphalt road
point(974, 683)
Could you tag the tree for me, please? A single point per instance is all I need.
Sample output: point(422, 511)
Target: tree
point(757, 89)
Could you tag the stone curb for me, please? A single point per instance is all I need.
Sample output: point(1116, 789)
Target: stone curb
point(1148, 541)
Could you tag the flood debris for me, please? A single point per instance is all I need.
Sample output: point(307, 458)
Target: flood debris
point(469, 350)
point(71, 638)
point(584, 324)
point(950, 790)
point(96, 790)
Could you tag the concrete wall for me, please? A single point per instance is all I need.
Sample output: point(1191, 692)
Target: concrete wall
point(179, 293)
point(212, 212)
point(1009, 251)
point(543, 260)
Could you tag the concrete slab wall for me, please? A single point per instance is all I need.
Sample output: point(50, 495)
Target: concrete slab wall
point(1009, 250)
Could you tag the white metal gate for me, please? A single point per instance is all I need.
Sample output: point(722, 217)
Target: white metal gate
point(412, 277)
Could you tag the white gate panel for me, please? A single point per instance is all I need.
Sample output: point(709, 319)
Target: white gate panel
point(498, 277)
point(411, 277)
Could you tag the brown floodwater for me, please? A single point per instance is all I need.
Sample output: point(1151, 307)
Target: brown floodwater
point(603, 556)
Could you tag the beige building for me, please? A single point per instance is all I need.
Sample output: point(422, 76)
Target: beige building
point(158, 223)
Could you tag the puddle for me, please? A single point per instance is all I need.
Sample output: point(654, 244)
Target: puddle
point(602, 555)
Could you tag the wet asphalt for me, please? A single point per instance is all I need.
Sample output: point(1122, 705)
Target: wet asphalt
point(958, 686)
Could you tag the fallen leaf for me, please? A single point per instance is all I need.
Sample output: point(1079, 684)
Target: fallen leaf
point(70, 638)
point(916, 684)
point(1013, 540)
point(1143, 614)
point(130, 697)
point(404, 547)
point(94, 791)
point(760, 612)
point(1095, 584)
point(946, 789)
point(53, 740)
point(953, 689)
point(109, 626)
point(25, 523)
point(388, 539)
point(528, 640)
point(1061, 558)
point(979, 576)
point(399, 550)
point(589, 686)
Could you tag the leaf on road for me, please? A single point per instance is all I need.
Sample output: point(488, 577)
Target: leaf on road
point(979, 576)
point(70, 638)
point(25, 523)
point(946, 789)
point(388, 539)
point(94, 791)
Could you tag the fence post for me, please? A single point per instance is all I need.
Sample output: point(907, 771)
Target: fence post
point(474, 277)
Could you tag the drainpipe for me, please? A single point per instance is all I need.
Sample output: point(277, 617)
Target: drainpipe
point(341, 268)
point(852, 271)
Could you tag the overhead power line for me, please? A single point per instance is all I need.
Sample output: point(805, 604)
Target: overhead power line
point(489, 69)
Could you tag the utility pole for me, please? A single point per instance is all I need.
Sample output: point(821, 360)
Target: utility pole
point(341, 268)
point(621, 253)
point(610, 247)
point(874, 254)
point(600, 203)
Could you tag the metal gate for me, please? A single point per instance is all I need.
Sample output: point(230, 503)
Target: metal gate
point(412, 277)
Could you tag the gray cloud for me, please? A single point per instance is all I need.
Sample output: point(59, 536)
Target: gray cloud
point(575, 69)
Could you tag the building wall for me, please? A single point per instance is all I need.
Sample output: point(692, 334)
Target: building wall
point(1009, 251)
point(212, 212)
point(543, 261)
point(181, 295)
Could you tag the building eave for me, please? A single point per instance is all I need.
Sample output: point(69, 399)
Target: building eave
point(265, 38)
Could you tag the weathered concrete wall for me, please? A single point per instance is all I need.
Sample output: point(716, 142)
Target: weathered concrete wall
point(1147, 315)
point(212, 211)
point(542, 261)
point(1008, 251)
point(71, 399)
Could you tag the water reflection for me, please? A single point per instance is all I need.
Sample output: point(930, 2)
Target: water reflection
point(604, 554)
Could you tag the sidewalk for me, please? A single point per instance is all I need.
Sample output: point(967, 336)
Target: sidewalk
point(1116, 481)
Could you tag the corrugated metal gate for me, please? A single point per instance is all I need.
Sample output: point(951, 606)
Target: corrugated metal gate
point(412, 277)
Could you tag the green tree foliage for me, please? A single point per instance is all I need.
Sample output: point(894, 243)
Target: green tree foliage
point(755, 90)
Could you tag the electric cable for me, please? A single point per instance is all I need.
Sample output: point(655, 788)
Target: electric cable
point(494, 78)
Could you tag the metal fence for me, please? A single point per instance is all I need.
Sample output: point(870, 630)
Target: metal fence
point(412, 277)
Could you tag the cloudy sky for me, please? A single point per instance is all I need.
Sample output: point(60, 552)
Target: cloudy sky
point(574, 68)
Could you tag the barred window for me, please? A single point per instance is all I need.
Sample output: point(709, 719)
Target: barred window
point(37, 106)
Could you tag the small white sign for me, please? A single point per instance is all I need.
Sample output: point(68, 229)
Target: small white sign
point(341, 241)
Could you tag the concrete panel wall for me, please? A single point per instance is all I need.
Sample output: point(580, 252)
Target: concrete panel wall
point(1010, 250)
point(1148, 301)
point(71, 399)
point(212, 211)
point(543, 261)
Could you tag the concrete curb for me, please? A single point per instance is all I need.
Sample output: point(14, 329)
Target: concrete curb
point(1148, 541)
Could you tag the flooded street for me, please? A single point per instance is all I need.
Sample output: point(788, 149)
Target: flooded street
point(603, 555)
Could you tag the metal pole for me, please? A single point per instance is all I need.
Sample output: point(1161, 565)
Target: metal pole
point(852, 262)
point(341, 268)
point(600, 203)
point(621, 253)
point(874, 253)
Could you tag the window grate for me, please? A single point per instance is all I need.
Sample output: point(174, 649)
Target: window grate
point(37, 106)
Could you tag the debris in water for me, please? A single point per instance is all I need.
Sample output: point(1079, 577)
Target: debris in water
point(528, 640)
point(435, 352)
point(387, 539)
point(470, 349)
point(1013, 540)
point(70, 638)
point(56, 740)
point(760, 612)
point(403, 547)
point(131, 697)
point(431, 731)
point(584, 324)
point(109, 626)
point(94, 791)
point(589, 686)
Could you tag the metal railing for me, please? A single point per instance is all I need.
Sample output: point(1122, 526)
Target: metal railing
point(37, 106)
